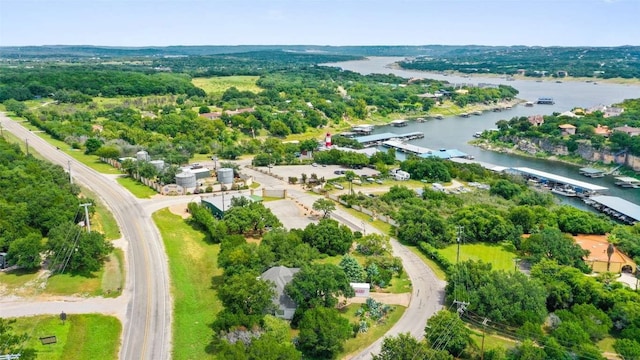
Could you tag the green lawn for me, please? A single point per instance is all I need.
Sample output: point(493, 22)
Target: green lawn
point(354, 345)
point(499, 256)
point(102, 220)
point(219, 84)
point(606, 344)
point(81, 337)
point(194, 279)
point(138, 189)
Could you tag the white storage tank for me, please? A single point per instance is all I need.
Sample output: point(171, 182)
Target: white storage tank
point(142, 156)
point(186, 179)
point(225, 175)
point(158, 164)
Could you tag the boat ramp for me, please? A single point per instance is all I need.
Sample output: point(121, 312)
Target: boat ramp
point(615, 207)
point(378, 139)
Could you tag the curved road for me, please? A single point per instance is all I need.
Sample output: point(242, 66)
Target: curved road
point(147, 325)
point(427, 295)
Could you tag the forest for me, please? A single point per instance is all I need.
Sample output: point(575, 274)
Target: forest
point(597, 62)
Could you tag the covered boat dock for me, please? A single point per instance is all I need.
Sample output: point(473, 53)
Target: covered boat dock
point(591, 172)
point(616, 207)
point(581, 188)
point(378, 139)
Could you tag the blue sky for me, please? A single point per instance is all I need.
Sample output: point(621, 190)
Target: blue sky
point(319, 22)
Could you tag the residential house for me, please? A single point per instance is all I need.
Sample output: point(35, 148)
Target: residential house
point(536, 120)
point(602, 130)
point(567, 129)
point(281, 276)
point(613, 111)
point(632, 131)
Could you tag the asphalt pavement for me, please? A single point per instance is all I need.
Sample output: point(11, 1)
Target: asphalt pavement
point(147, 324)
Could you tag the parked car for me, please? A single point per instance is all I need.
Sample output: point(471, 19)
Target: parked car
point(339, 172)
point(314, 165)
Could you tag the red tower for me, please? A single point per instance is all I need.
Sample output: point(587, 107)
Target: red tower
point(327, 140)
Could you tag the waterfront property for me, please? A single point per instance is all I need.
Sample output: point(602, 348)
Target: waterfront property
point(406, 148)
point(378, 139)
point(591, 172)
point(556, 182)
point(398, 123)
point(615, 207)
point(598, 259)
point(627, 182)
point(363, 129)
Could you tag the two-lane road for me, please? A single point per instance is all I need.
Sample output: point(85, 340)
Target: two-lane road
point(147, 327)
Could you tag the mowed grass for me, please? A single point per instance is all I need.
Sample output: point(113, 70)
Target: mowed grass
point(219, 84)
point(102, 219)
point(497, 255)
point(355, 345)
point(194, 278)
point(81, 337)
point(138, 189)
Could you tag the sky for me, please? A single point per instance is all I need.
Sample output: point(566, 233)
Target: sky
point(319, 22)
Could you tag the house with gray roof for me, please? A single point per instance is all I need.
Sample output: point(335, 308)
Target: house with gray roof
point(281, 276)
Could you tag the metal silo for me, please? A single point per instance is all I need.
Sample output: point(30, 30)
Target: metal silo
point(142, 156)
point(159, 164)
point(186, 179)
point(225, 175)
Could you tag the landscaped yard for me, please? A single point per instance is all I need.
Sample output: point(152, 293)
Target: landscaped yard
point(81, 337)
point(194, 278)
point(500, 256)
point(354, 345)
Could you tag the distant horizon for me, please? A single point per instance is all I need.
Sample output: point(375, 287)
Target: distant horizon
point(317, 45)
point(162, 23)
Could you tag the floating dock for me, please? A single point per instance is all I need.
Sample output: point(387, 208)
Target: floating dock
point(399, 123)
point(545, 101)
point(615, 207)
point(378, 139)
point(627, 182)
point(592, 173)
point(581, 188)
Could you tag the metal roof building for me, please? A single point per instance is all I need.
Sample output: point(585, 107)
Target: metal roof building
point(618, 205)
point(580, 186)
point(445, 154)
point(218, 204)
point(486, 165)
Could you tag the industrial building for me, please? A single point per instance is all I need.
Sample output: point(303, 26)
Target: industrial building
point(218, 204)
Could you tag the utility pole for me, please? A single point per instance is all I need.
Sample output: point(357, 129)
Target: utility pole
point(1, 134)
point(70, 178)
point(484, 324)
point(26, 142)
point(459, 240)
point(86, 215)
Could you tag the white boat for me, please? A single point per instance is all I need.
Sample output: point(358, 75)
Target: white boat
point(477, 134)
point(566, 191)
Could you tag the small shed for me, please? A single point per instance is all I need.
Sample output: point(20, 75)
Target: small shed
point(3, 260)
point(361, 289)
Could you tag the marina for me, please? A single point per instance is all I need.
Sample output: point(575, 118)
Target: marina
point(559, 183)
point(398, 123)
point(592, 173)
point(627, 182)
point(615, 207)
point(378, 139)
point(423, 151)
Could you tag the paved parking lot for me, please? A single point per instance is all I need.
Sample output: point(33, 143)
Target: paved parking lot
point(327, 171)
point(289, 213)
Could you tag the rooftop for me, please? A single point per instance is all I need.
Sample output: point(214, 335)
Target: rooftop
point(620, 205)
point(558, 179)
point(281, 276)
point(597, 247)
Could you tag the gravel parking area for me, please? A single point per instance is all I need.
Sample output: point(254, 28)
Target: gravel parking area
point(290, 214)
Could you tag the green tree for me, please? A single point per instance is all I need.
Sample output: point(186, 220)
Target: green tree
point(552, 244)
point(108, 152)
point(628, 349)
point(77, 251)
point(12, 343)
point(322, 333)
point(319, 285)
point(244, 293)
point(354, 271)
point(328, 236)
point(445, 331)
point(92, 145)
point(324, 205)
point(406, 347)
point(16, 107)
point(527, 350)
point(25, 252)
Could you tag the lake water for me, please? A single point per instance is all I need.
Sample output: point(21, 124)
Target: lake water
point(456, 132)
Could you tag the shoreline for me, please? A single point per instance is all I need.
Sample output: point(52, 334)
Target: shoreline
point(595, 80)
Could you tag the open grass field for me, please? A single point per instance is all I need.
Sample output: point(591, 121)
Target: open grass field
point(138, 189)
point(101, 283)
point(194, 278)
point(81, 337)
point(219, 84)
point(102, 220)
point(354, 345)
point(500, 256)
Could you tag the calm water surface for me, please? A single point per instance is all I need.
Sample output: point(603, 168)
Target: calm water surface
point(456, 132)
